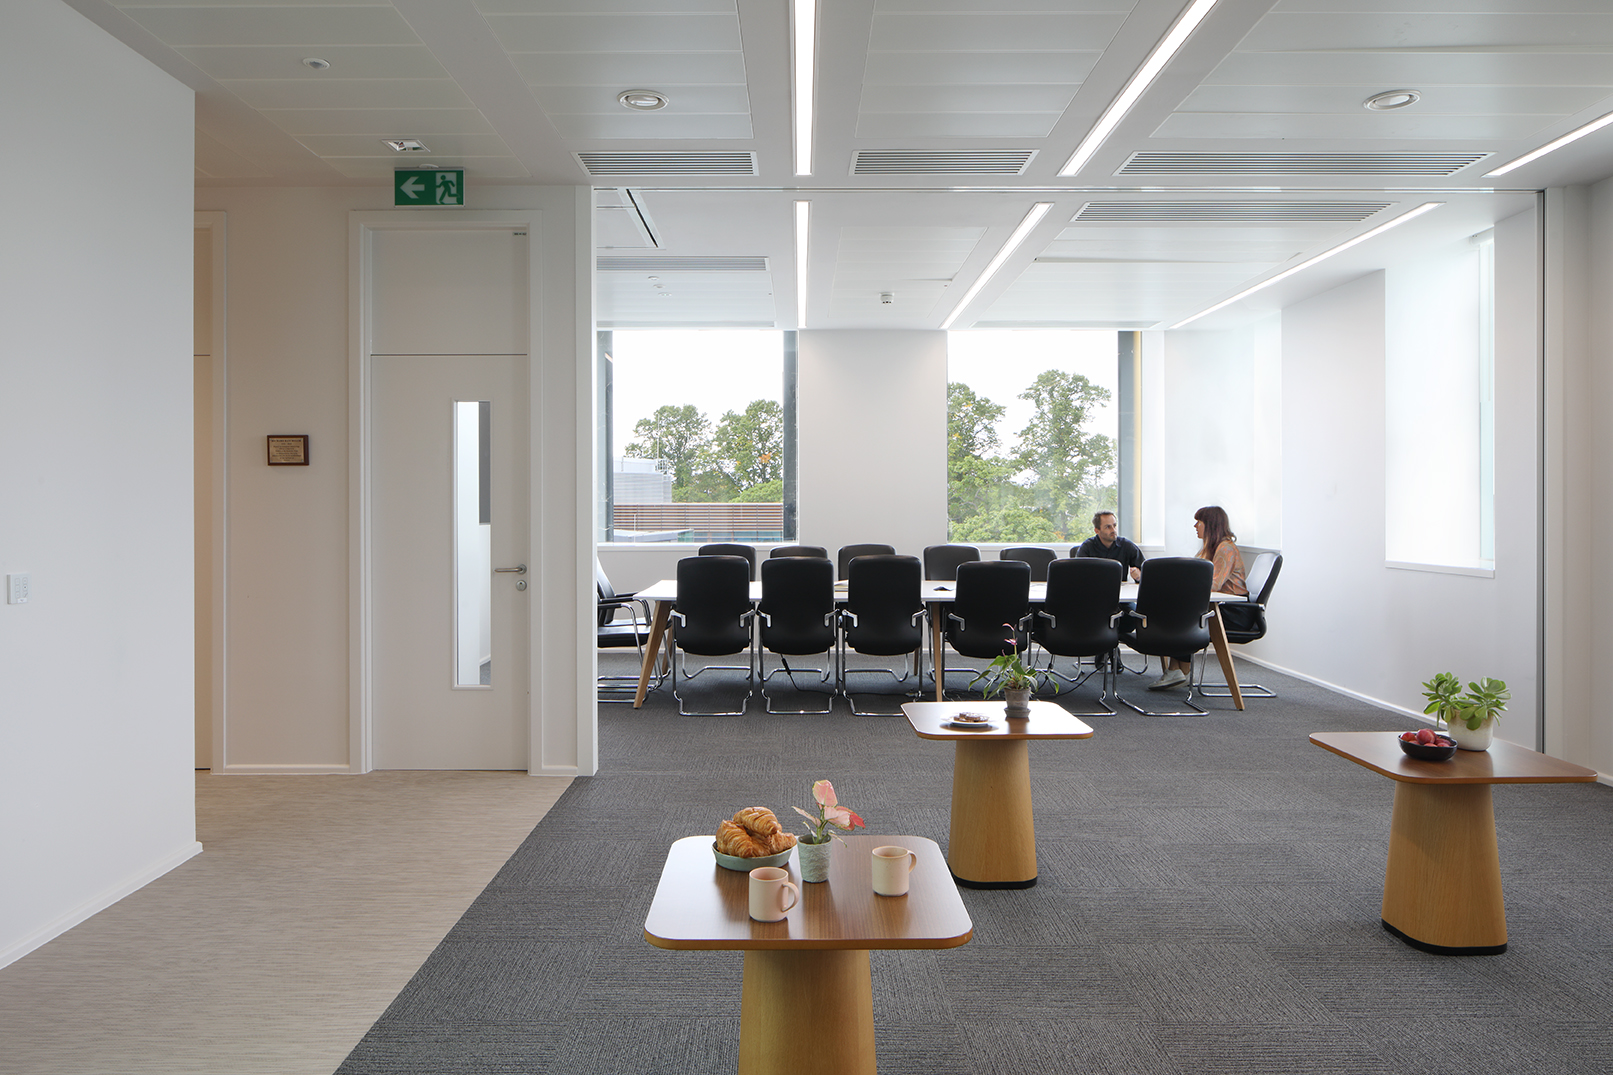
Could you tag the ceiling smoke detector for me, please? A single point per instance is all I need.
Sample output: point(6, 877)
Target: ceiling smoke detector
point(1389, 100)
point(642, 100)
point(405, 145)
point(886, 298)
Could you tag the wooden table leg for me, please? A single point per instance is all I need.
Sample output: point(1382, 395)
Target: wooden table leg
point(937, 662)
point(807, 1012)
point(1442, 887)
point(993, 842)
point(652, 651)
point(1218, 636)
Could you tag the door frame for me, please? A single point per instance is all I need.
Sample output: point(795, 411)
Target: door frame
point(363, 225)
point(214, 223)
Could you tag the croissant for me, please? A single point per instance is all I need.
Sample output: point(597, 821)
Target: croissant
point(734, 840)
point(780, 841)
point(758, 820)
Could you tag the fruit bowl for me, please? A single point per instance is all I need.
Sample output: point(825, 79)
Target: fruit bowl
point(1442, 749)
point(742, 865)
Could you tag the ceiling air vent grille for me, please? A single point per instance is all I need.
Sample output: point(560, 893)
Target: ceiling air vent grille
point(669, 163)
point(1228, 212)
point(941, 161)
point(684, 264)
point(1423, 164)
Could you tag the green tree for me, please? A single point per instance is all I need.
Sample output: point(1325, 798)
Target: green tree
point(978, 481)
point(748, 448)
point(1011, 523)
point(678, 438)
point(1063, 465)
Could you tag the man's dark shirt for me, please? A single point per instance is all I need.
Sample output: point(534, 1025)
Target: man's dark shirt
point(1123, 551)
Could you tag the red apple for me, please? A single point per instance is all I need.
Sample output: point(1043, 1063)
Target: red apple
point(1410, 737)
point(1425, 736)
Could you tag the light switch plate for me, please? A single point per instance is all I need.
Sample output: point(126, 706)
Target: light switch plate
point(17, 588)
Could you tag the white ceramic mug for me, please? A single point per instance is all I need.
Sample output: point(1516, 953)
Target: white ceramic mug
point(767, 886)
point(891, 866)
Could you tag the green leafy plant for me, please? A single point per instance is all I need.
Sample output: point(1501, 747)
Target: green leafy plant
point(1485, 700)
point(1009, 671)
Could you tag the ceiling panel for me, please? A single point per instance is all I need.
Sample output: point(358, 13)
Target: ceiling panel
point(1436, 100)
point(381, 122)
point(980, 68)
point(617, 33)
point(652, 125)
point(346, 61)
point(1287, 31)
point(1356, 125)
point(1391, 70)
point(265, 24)
point(349, 92)
point(477, 169)
point(441, 145)
point(637, 70)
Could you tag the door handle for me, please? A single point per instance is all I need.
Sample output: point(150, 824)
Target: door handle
point(518, 569)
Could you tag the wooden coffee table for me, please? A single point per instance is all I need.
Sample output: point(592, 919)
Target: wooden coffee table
point(807, 1004)
point(1442, 886)
point(993, 841)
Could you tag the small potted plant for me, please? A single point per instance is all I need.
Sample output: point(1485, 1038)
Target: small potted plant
point(1470, 717)
point(1010, 674)
point(812, 850)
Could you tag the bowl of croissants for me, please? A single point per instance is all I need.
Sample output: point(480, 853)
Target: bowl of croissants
point(751, 838)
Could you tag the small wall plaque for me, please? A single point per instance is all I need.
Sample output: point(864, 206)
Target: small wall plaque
point(288, 450)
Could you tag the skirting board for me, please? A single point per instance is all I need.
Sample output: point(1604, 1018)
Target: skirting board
point(92, 907)
point(1601, 778)
point(247, 769)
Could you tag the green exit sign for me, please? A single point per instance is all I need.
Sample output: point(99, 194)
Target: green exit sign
point(428, 186)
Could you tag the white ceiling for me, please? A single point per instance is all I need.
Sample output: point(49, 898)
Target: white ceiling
point(523, 91)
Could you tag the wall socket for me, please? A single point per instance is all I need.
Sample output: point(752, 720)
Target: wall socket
point(17, 588)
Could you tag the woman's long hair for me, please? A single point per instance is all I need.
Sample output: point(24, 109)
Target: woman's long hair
point(1217, 528)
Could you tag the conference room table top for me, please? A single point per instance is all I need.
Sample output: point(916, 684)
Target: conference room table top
point(931, 591)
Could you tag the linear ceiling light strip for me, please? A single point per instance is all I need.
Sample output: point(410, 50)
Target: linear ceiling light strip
point(802, 230)
point(806, 35)
point(1302, 266)
point(1032, 218)
point(1138, 85)
point(1572, 136)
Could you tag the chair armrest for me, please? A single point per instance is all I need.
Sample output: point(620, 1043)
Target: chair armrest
point(847, 615)
point(957, 619)
point(1053, 621)
point(679, 617)
point(767, 620)
point(747, 616)
point(917, 616)
point(1131, 612)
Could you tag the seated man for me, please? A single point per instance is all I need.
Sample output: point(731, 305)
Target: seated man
point(1107, 543)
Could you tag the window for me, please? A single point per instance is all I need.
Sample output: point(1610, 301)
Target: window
point(698, 422)
point(1032, 433)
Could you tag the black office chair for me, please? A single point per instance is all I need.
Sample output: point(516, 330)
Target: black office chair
point(1171, 618)
point(883, 617)
point(941, 561)
point(816, 551)
point(1035, 555)
point(727, 549)
point(1077, 619)
point(797, 614)
point(1245, 621)
point(849, 552)
point(990, 613)
point(712, 618)
point(615, 633)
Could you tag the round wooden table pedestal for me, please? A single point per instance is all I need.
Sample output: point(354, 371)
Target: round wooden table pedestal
point(993, 843)
point(807, 1012)
point(1442, 887)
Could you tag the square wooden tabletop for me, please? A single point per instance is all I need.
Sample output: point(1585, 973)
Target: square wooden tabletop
point(1047, 720)
point(701, 905)
point(1503, 763)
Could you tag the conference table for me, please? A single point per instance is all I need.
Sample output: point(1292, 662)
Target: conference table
point(806, 1003)
point(1442, 884)
point(935, 594)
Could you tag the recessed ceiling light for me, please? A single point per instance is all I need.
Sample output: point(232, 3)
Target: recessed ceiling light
point(405, 145)
point(1024, 229)
point(1557, 143)
point(641, 100)
point(804, 27)
point(1389, 100)
point(316, 63)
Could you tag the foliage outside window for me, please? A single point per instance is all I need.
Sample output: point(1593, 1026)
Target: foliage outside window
point(1031, 434)
point(703, 411)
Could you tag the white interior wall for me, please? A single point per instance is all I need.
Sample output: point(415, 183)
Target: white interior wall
point(1220, 441)
point(872, 415)
point(287, 704)
point(96, 772)
point(1340, 615)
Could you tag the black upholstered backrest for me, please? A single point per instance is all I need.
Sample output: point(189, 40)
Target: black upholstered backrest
point(797, 604)
point(713, 597)
point(883, 592)
point(817, 551)
point(729, 549)
point(1082, 598)
point(1035, 555)
point(850, 552)
point(993, 596)
point(1174, 596)
point(941, 561)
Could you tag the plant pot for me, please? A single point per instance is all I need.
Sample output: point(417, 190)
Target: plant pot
point(1019, 701)
point(813, 860)
point(1466, 739)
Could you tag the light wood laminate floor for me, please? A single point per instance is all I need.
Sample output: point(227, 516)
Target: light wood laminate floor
point(314, 900)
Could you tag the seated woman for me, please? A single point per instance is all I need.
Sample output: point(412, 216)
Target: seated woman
point(1219, 545)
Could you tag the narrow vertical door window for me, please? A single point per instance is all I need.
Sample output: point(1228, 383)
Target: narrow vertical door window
point(473, 545)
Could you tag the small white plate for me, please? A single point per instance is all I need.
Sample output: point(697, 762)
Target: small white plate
point(971, 725)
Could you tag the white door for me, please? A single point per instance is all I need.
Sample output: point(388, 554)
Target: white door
point(448, 501)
